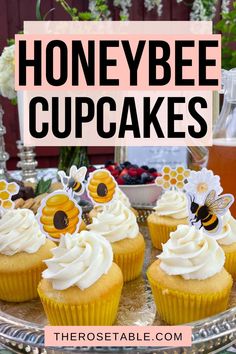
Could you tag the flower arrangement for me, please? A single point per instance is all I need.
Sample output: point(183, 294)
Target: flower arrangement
point(201, 10)
point(7, 73)
point(227, 27)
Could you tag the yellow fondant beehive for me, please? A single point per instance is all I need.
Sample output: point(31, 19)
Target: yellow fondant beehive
point(60, 215)
point(101, 187)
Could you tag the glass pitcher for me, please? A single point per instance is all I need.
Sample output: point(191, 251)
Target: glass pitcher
point(222, 155)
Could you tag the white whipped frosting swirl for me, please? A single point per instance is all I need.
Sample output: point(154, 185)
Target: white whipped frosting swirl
point(79, 260)
point(172, 203)
point(227, 236)
point(116, 222)
point(20, 232)
point(121, 196)
point(191, 254)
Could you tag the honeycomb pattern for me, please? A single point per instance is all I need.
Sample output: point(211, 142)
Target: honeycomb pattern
point(173, 178)
point(7, 190)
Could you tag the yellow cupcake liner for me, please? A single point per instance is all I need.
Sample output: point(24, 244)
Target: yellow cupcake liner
point(230, 263)
point(176, 307)
point(20, 286)
point(159, 233)
point(98, 313)
point(130, 264)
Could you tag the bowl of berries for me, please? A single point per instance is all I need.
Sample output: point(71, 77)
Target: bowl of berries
point(137, 182)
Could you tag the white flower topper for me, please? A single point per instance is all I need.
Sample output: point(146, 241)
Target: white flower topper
point(206, 203)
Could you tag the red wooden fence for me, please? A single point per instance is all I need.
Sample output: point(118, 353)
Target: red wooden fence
point(12, 15)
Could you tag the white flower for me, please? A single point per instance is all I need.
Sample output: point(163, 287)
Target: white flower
point(201, 183)
point(124, 7)
point(7, 72)
point(225, 6)
point(151, 4)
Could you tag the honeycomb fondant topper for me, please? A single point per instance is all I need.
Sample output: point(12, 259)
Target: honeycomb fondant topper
point(173, 178)
point(59, 212)
point(101, 187)
point(7, 190)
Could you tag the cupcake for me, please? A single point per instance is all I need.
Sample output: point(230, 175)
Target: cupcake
point(188, 280)
point(227, 240)
point(118, 225)
point(121, 196)
point(82, 286)
point(171, 210)
point(23, 248)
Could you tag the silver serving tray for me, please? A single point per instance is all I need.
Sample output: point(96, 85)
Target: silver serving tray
point(136, 308)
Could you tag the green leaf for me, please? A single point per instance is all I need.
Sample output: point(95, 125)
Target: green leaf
point(86, 16)
point(43, 186)
point(14, 101)
point(10, 41)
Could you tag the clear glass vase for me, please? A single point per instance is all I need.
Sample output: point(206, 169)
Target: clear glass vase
point(222, 155)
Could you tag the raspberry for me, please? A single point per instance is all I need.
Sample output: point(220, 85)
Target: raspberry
point(132, 172)
point(115, 173)
point(120, 181)
point(140, 171)
point(155, 174)
point(110, 168)
point(91, 169)
point(124, 172)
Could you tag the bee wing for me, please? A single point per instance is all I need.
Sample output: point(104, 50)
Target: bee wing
point(80, 174)
point(221, 205)
point(63, 177)
point(73, 171)
point(210, 198)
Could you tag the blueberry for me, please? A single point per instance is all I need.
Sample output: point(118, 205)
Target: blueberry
point(144, 177)
point(145, 167)
point(152, 170)
point(108, 163)
point(127, 163)
point(126, 177)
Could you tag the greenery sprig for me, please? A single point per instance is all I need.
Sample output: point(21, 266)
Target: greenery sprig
point(227, 27)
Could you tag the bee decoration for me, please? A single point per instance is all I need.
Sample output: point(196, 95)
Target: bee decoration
point(7, 190)
point(206, 203)
point(172, 178)
point(101, 187)
point(74, 182)
point(59, 212)
point(208, 213)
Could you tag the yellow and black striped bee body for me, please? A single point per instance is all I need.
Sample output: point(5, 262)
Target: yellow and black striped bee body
point(207, 214)
point(76, 186)
point(208, 221)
